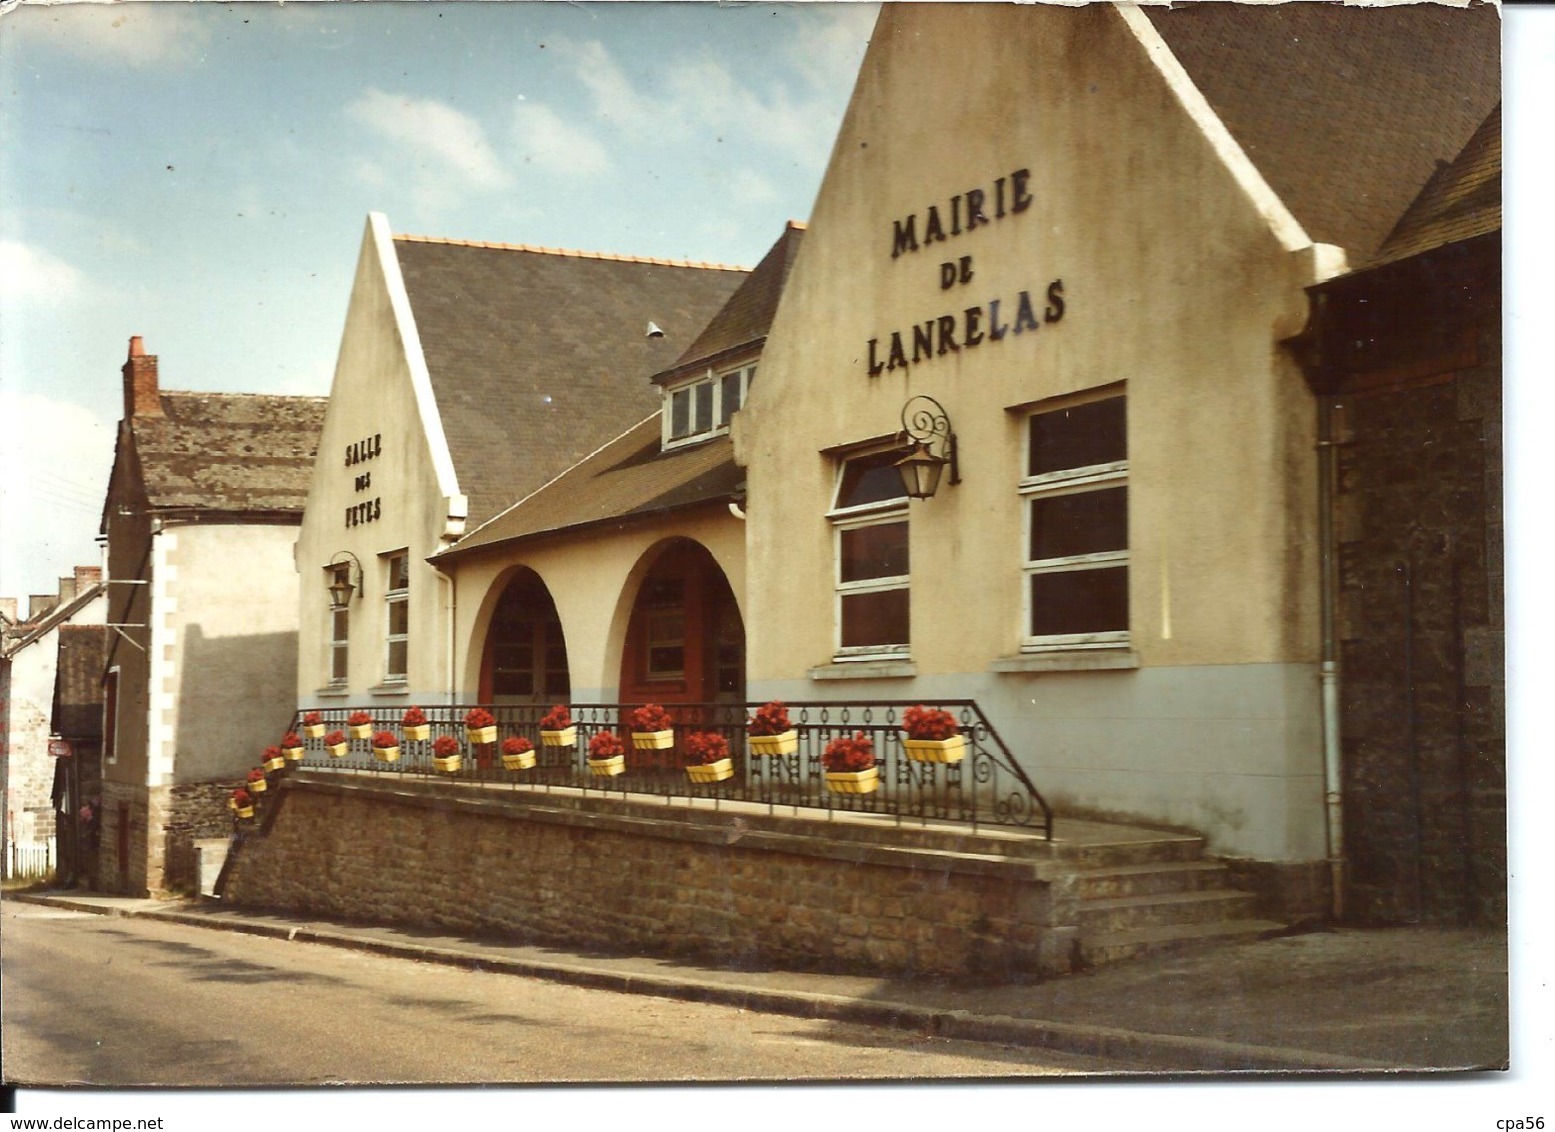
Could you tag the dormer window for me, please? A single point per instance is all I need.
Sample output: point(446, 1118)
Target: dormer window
point(701, 408)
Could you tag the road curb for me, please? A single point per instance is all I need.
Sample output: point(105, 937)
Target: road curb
point(1165, 1053)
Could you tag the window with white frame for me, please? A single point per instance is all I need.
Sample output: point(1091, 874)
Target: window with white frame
point(869, 517)
point(397, 607)
point(339, 631)
point(700, 408)
point(1075, 496)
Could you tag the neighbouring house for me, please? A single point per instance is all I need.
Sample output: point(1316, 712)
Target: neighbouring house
point(1404, 356)
point(469, 375)
point(201, 519)
point(28, 665)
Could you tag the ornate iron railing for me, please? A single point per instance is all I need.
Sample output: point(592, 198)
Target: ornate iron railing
point(985, 787)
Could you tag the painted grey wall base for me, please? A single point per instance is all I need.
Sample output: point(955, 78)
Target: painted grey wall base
point(1233, 751)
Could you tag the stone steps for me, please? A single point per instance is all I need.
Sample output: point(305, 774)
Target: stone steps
point(1156, 894)
point(1117, 946)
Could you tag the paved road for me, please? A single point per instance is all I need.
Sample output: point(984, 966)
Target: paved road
point(116, 1001)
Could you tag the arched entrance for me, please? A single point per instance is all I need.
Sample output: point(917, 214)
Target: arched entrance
point(525, 659)
point(685, 642)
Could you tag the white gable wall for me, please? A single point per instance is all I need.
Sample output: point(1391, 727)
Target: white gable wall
point(1178, 280)
point(383, 483)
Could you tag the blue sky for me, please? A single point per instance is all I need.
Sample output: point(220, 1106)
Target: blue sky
point(200, 174)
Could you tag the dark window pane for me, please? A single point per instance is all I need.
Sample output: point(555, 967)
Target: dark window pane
point(1086, 523)
point(397, 650)
point(512, 683)
point(680, 413)
point(399, 617)
point(704, 415)
point(399, 572)
point(341, 622)
point(731, 397)
point(337, 669)
point(1079, 601)
point(1077, 437)
point(874, 619)
point(871, 479)
point(878, 551)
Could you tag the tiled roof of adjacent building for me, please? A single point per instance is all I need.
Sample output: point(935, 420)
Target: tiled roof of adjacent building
point(742, 324)
point(1462, 201)
point(1345, 110)
point(628, 478)
point(78, 681)
point(539, 356)
point(229, 452)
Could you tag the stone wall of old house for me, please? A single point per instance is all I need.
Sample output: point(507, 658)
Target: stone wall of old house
point(122, 839)
point(623, 880)
point(185, 814)
point(1421, 629)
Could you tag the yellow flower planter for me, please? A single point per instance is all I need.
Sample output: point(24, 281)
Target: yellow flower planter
point(338, 750)
point(853, 781)
point(257, 786)
point(785, 744)
point(313, 730)
point(606, 768)
point(244, 811)
point(653, 740)
point(386, 754)
point(521, 761)
point(449, 765)
point(481, 734)
point(362, 731)
point(275, 764)
point(420, 733)
point(711, 772)
point(566, 737)
point(951, 750)
point(295, 754)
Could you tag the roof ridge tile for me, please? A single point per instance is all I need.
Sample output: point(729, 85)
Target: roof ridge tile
point(569, 252)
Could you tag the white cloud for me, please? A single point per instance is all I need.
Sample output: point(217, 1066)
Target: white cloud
point(53, 476)
point(702, 99)
point(432, 130)
point(135, 35)
point(549, 143)
point(30, 273)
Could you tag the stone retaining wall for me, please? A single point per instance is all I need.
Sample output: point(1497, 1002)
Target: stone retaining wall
point(614, 879)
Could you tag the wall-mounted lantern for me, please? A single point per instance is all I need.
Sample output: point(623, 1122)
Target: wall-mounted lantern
point(925, 423)
point(341, 587)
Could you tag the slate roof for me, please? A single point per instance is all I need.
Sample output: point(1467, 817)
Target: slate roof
point(78, 681)
point(628, 478)
point(538, 356)
point(229, 452)
point(742, 324)
point(1462, 201)
point(1345, 110)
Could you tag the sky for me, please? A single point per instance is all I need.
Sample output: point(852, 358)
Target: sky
point(200, 174)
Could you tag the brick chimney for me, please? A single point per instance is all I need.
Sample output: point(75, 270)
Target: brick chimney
point(141, 397)
point(87, 577)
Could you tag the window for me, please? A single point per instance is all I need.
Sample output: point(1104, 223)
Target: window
point(702, 407)
point(870, 519)
point(339, 632)
point(397, 602)
point(1075, 495)
point(663, 605)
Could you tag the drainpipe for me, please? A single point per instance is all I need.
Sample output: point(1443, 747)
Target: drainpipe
point(452, 605)
point(1333, 787)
